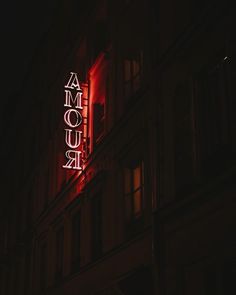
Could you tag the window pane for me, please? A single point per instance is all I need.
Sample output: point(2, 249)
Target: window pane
point(59, 252)
point(43, 268)
point(75, 241)
point(137, 177)
point(127, 181)
point(96, 207)
point(136, 83)
point(128, 207)
point(128, 90)
point(127, 69)
point(138, 202)
point(136, 68)
point(213, 123)
point(184, 122)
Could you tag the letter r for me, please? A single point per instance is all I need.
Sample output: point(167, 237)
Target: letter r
point(73, 160)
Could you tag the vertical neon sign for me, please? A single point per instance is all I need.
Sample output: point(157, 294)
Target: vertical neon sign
point(73, 119)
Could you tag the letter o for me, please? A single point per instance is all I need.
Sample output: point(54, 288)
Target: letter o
point(67, 118)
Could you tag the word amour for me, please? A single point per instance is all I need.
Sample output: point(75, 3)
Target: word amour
point(73, 119)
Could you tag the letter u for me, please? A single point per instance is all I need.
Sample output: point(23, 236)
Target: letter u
point(76, 137)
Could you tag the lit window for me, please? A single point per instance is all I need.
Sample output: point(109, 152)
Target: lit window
point(133, 189)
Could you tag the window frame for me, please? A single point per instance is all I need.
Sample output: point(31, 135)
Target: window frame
point(43, 255)
point(213, 157)
point(130, 169)
point(75, 261)
point(59, 254)
point(97, 223)
point(131, 83)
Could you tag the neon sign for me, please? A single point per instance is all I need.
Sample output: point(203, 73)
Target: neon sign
point(73, 118)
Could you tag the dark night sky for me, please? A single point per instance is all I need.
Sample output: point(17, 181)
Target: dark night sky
point(22, 27)
point(23, 24)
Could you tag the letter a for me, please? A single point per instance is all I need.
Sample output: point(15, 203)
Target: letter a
point(73, 82)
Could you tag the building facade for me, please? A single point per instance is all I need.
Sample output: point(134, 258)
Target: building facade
point(195, 218)
point(136, 100)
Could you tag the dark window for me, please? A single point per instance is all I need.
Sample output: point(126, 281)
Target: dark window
point(27, 274)
point(43, 266)
point(29, 208)
point(133, 65)
point(213, 101)
point(101, 38)
point(184, 138)
point(46, 186)
point(75, 243)
point(59, 253)
point(8, 280)
point(139, 282)
point(96, 210)
point(219, 277)
point(211, 279)
point(228, 273)
point(133, 191)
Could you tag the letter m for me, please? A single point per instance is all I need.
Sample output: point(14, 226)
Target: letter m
point(76, 101)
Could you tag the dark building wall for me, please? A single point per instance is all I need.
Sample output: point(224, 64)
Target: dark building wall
point(195, 220)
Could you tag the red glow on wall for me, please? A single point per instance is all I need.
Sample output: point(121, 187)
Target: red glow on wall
point(97, 99)
point(83, 125)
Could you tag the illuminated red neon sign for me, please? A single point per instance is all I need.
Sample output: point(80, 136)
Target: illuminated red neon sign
point(73, 119)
